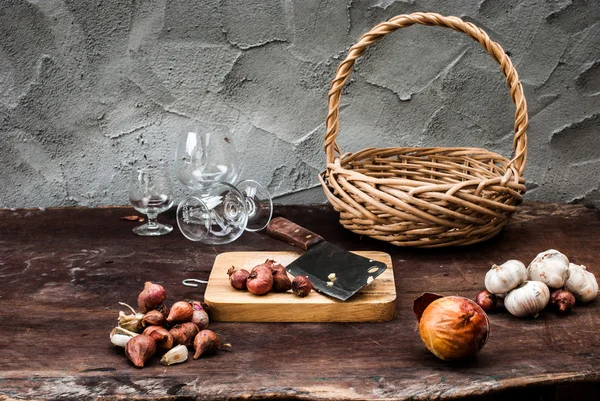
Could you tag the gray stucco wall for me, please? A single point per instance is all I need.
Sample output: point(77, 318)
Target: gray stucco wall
point(89, 87)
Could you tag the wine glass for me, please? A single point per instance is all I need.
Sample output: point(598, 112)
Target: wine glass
point(150, 193)
point(205, 155)
point(217, 215)
point(217, 212)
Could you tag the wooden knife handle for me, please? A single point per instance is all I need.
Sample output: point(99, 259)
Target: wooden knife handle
point(292, 233)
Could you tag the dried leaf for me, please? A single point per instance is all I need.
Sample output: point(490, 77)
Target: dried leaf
point(423, 302)
point(132, 218)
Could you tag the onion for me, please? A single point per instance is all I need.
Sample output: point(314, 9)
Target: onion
point(453, 327)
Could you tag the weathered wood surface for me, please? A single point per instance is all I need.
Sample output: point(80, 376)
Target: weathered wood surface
point(63, 272)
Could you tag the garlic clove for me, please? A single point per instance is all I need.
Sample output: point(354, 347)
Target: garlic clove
point(528, 299)
point(131, 322)
point(120, 336)
point(500, 279)
point(175, 355)
point(550, 267)
point(120, 340)
point(582, 283)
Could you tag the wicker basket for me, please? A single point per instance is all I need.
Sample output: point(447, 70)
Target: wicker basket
point(425, 197)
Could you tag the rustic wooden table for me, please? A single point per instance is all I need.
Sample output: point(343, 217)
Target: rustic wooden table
point(63, 272)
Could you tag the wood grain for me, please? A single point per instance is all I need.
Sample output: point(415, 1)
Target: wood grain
point(63, 272)
point(374, 303)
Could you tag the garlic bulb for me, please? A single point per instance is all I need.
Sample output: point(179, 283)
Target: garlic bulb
point(550, 267)
point(528, 299)
point(501, 279)
point(581, 283)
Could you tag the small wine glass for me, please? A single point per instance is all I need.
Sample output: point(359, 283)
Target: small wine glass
point(150, 193)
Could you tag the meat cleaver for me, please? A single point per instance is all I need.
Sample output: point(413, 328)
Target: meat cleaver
point(332, 270)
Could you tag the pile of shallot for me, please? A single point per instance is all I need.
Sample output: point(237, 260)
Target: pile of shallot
point(269, 276)
point(550, 279)
point(158, 329)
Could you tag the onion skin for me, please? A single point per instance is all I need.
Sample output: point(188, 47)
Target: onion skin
point(454, 328)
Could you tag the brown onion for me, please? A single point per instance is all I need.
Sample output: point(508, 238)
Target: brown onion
point(454, 328)
point(486, 300)
point(164, 309)
point(154, 318)
point(238, 277)
point(276, 268)
point(180, 312)
point(207, 342)
point(164, 339)
point(301, 286)
point(139, 349)
point(562, 300)
point(281, 282)
point(260, 280)
point(184, 333)
point(151, 296)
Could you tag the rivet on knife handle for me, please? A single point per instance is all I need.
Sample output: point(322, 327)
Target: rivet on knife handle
point(292, 233)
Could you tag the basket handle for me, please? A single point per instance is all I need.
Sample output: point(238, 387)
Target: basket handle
point(430, 19)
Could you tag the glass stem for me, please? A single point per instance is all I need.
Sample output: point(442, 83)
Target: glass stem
point(152, 223)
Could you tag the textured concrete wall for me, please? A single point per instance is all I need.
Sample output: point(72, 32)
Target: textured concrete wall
point(90, 87)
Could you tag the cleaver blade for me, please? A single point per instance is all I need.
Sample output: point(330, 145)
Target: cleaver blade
point(333, 270)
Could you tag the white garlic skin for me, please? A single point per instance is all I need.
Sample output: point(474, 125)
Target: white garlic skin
point(581, 283)
point(528, 299)
point(177, 354)
point(501, 279)
point(550, 267)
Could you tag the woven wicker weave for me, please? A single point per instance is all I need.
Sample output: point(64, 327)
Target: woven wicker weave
point(425, 197)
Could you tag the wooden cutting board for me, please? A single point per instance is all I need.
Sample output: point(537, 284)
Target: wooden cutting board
point(375, 302)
